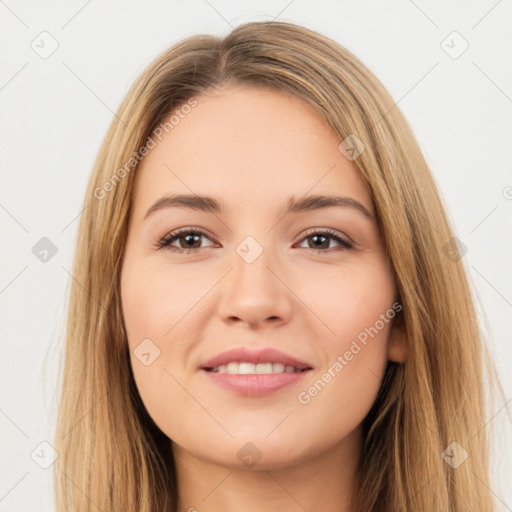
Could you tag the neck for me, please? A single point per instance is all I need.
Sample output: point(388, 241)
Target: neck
point(327, 481)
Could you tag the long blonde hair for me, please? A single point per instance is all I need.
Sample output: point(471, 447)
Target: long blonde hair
point(113, 456)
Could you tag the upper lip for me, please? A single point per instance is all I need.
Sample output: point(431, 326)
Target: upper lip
point(243, 354)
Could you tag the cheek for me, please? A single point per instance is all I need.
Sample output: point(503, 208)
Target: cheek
point(355, 308)
point(160, 318)
point(156, 300)
point(347, 301)
point(149, 361)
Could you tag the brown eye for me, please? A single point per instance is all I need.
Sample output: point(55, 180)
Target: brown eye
point(319, 241)
point(189, 240)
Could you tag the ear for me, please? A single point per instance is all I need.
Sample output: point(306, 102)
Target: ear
point(397, 344)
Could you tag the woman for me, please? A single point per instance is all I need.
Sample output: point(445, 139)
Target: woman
point(269, 311)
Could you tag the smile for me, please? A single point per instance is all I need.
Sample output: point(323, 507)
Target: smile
point(242, 368)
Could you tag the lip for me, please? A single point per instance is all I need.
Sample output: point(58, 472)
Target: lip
point(255, 384)
point(243, 354)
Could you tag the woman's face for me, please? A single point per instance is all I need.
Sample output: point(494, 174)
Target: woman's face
point(313, 283)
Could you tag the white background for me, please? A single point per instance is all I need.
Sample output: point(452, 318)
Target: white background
point(55, 112)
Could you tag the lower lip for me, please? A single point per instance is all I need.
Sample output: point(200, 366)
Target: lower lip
point(255, 384)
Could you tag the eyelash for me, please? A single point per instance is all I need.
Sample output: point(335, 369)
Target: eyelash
point(175, 235)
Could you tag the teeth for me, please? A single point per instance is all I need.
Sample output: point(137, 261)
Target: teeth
point(235, 368)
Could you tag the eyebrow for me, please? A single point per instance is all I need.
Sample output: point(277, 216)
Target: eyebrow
point(211, 205)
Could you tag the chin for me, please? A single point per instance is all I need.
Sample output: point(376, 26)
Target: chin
point(255, 452)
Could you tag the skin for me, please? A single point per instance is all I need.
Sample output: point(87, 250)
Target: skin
point(252, 148)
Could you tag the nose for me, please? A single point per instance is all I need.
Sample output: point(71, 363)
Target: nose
point(255, 293)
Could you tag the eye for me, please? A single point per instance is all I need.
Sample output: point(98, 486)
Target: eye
point(189, 241)
point(191, 238)
point(321, 240)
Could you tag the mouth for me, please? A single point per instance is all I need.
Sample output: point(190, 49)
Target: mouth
point(247, 368)
point(254, 384)
point(243, 361)
point(248, 372)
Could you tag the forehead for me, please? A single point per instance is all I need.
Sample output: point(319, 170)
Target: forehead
point(249, 145)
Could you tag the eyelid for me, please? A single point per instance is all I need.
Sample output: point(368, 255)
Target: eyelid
point(333, 233)
point(345, 243)
point(166, 239)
